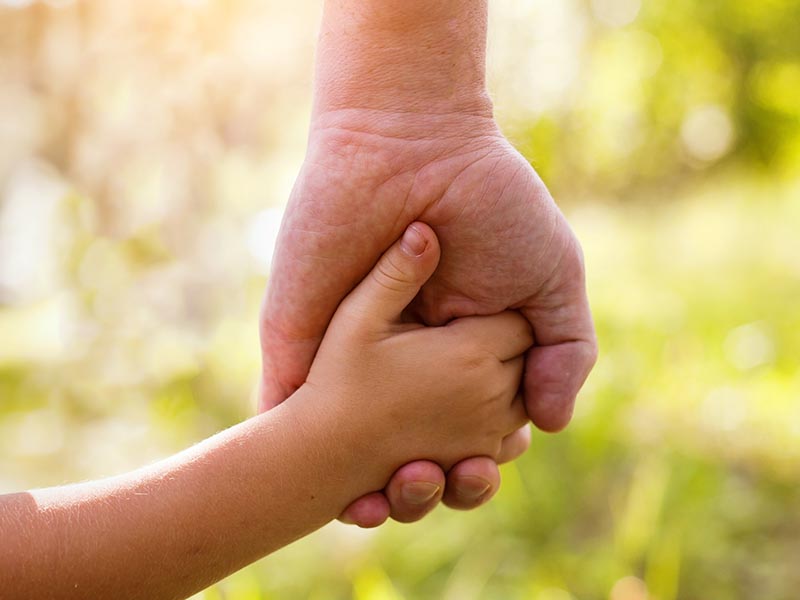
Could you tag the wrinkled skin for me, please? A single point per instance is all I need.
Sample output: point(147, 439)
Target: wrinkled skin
point(505, 244)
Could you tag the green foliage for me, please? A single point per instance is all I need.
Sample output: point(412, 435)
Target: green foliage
point(620, 128)
point(675, 147)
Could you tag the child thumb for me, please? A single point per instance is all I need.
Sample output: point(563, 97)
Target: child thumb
point(399, 274)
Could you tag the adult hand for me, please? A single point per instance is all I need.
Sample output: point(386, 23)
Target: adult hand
point(403, 131)
point(504, 245)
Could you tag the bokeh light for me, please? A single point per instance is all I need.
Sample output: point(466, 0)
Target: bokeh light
point(147, 150)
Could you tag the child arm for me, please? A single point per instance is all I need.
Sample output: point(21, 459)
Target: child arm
point(381, 392)
point(171, 529)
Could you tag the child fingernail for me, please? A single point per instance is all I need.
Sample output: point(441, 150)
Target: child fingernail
point(413, 242)
point(419, 492)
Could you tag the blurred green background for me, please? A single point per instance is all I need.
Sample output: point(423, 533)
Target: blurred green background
point(147, 149)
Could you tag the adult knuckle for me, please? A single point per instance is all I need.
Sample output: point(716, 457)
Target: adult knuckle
point(503, 391)
point(473, 355)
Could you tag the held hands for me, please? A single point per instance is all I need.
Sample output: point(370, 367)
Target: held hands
point(369, 174)
point(402, 131)
point(398, 391)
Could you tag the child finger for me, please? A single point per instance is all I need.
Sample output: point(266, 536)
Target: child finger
point(506, 335)
point(515, 444)
point(396, 278)
point(516, 416)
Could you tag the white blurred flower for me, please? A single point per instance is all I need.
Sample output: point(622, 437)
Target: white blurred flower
point(707, 132)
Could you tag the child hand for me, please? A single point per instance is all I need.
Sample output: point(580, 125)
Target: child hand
point(399, 391)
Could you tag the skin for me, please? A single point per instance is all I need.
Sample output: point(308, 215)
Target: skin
point(402, 130)
point(382, 391)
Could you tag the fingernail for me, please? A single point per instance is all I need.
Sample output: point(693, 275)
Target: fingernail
point(413, 242)
point(419, 492)
point(472, 488)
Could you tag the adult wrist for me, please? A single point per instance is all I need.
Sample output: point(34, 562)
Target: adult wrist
point(417, 56)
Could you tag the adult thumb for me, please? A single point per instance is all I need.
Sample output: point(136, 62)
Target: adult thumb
point(398, 276)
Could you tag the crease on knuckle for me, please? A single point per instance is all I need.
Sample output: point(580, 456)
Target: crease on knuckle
point(473, 356)
point(390, 276)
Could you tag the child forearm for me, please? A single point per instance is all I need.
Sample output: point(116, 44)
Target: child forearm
point(171, 529)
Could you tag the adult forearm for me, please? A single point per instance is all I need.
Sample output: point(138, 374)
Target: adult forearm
point(172, 529)
point(405, 56)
